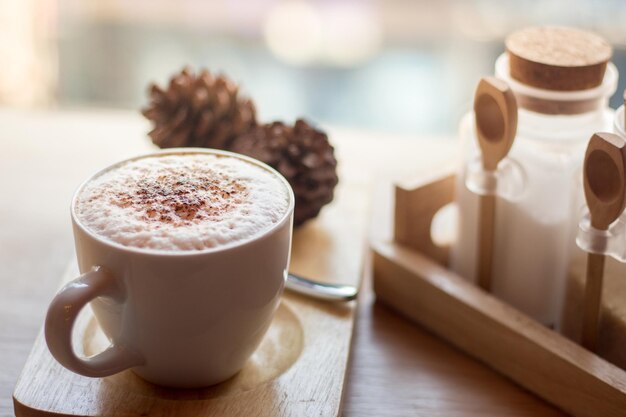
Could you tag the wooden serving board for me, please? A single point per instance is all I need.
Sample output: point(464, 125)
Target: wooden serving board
point(298, 370)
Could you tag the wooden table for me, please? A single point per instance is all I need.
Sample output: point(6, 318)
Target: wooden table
point(397, 368)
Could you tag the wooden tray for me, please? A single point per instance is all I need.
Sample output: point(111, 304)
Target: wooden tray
point(298, 370)
point(410, 276)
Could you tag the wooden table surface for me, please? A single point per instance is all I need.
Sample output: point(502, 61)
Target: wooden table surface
point(397, 368)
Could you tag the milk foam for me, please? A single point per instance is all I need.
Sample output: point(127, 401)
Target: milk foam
point(182, 202)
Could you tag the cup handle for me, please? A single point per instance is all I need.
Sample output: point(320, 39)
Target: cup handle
point(60, 319)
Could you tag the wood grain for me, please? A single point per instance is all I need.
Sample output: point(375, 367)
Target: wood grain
point(430, 193)
point(298, 370)
point(539, 359)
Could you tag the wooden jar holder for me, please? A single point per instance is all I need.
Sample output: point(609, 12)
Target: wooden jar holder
point(410, 275)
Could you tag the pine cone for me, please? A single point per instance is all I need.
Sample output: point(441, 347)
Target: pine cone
point(203, 111)
point(302, 155)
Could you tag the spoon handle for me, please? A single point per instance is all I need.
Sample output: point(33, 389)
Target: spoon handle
point(485, 245)
point(593, 296)
point(320, 290)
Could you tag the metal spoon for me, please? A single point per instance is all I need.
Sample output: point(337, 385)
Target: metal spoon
point(320, 290)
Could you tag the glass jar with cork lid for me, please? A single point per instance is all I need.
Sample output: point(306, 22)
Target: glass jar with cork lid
point(611, 328)
point(562, 80)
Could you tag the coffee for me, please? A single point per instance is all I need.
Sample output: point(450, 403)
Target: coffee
point(182, 202)
point(183, 257)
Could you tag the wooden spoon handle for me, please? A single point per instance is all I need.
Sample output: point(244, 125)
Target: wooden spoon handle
point(593, 296)
point(486, 225)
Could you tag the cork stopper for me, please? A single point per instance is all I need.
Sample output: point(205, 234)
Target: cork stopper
point(558, 58)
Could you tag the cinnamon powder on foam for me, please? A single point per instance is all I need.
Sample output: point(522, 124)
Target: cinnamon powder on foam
point(182, 202)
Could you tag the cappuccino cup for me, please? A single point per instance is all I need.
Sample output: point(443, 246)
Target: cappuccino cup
point(184, 256)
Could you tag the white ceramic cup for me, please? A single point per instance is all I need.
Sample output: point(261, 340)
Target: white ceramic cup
point(180, 319)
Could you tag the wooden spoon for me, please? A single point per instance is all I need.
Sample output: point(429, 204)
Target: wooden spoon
point(605, 191)
point(495, 110)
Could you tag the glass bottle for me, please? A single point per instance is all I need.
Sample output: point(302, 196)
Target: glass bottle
point(535, 226)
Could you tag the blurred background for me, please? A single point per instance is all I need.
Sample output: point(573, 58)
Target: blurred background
point(402, 66)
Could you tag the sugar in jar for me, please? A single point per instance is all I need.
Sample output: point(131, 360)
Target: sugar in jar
point(562, 80)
